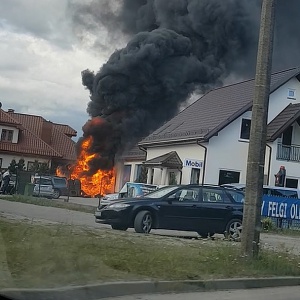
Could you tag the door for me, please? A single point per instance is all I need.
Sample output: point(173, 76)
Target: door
point(216, 210)
point(179, 211)
point(287, 142)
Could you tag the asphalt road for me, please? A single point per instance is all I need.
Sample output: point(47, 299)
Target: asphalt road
point(51, 214)
point(285, 293)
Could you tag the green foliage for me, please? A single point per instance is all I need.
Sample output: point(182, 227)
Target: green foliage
point(14, 167)
point(267, 224)
point(40, 168)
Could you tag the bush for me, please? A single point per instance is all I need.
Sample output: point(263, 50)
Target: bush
point(267, 224)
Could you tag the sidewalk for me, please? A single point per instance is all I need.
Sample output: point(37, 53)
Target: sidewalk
point(83, 201)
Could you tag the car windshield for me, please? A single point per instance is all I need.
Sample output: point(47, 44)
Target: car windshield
point(161, 192)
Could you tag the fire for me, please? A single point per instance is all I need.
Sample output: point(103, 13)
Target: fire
point(100, 183)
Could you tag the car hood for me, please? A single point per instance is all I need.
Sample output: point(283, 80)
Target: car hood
point(131, 200)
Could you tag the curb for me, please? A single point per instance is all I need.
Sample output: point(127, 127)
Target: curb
point(117, 289)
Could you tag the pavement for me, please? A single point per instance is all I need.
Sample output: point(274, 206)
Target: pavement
point(282, 293)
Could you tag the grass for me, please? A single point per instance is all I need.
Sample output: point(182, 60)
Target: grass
point(49, 202)
point(49, 256)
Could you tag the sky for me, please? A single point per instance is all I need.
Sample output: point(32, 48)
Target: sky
point(41, 59)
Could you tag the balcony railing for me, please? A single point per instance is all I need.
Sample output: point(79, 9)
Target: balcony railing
point(291, 153)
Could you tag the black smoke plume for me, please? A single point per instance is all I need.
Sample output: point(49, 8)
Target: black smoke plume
point(175, 47)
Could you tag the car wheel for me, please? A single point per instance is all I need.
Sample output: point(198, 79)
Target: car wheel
point(205, 234)
point(119, 227)
point(143, 222)
point(56, 194)
point(234, 230)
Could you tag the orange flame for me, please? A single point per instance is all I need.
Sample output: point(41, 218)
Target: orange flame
point(100, 183)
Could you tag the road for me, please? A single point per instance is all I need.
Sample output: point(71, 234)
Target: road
point(285, 293)
point(58, 215)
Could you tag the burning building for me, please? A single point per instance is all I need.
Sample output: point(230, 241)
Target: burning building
point(174, 49)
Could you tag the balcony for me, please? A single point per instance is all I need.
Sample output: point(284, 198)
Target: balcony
point(289, 153)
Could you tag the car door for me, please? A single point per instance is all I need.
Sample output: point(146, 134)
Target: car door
point(178, 211)
point(216, 208)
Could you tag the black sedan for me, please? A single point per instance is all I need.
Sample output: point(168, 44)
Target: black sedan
point(205, 209)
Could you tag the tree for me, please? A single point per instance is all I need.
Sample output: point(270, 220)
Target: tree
point(15, 167)
point(258, 133)
point(40, 168)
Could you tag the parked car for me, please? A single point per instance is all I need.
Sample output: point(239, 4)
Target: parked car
point(205, 209)
point(60, 185)
point(129, 190)
point(43, 187)
point(269, 190)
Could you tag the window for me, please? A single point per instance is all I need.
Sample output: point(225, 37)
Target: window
point(44, 181)
point(60, 181)
point(185, 195)
point(7, 135)
point(227, 177)
point(291, 183)
point(126, 174)
point(214, 195)
point(138, 172)
point(291, 94)
point(237, 197)
point(245, 129)
point(195, 176)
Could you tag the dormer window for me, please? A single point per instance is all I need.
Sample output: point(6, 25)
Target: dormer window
point(7, 135)
point(291, 94)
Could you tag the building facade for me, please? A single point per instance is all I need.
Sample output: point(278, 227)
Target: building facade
point(208, 141)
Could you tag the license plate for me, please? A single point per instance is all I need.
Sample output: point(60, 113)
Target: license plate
point(98, 213)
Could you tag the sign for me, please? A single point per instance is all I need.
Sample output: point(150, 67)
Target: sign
point(193, 163)
point(280, 207)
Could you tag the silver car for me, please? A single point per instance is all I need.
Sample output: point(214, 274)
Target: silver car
point(43, 187)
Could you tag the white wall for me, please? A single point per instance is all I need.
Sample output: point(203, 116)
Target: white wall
point(15, 132)
point(192, 151)
point(279, 99)
point(120, 169)
point(7, 158)
point(227, 152)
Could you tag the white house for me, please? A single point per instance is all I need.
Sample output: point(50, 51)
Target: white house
point(208, 141)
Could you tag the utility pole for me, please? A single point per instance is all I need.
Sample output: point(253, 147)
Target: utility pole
point(258, 133)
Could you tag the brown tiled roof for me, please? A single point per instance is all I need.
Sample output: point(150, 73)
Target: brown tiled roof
point(63, 144)
point(171, 160)
point(5, 118)
point(60, 143)
point(66, 129)
point(28, 142)
point(282, 121)
point(214, 111)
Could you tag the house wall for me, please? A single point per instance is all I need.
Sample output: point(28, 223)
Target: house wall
point(229, 152)
point(120, 169)
point(7, 158)
point(279, 99)
point(15, 132)
point(191, 151)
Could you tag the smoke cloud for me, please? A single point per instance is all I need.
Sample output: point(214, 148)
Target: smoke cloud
point(175, 47)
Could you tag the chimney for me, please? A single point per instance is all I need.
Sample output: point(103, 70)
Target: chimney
point(10, 110)
point(46, 134)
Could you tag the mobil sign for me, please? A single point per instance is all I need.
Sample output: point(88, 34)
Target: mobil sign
point(193, 163)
